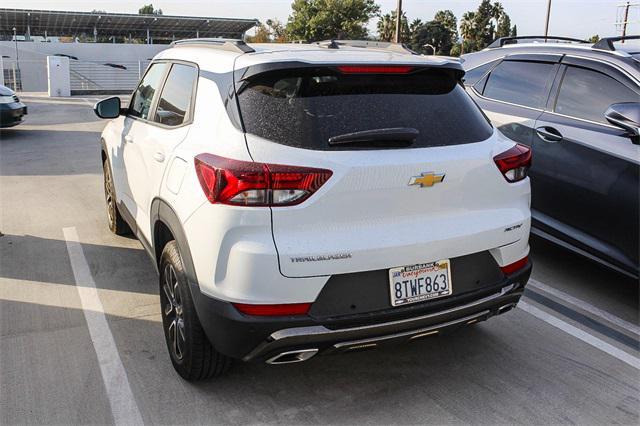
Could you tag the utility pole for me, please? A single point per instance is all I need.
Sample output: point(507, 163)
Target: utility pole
point(624, 23)
point(398, 21)
point(546, 23)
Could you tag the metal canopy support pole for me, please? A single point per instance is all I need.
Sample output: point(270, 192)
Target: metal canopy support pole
point(197, 33)
point(626, 19)
point(95, 34)
point(148, 40)
point(546, 23)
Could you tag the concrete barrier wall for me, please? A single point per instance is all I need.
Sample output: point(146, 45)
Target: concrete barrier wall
point(33, 57)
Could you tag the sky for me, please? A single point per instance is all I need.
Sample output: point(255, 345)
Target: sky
point(571, 18)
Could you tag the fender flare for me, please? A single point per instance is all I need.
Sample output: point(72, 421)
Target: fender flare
point(163, 212)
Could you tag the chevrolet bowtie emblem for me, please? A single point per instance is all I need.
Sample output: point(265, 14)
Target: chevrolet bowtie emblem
point(426, 179)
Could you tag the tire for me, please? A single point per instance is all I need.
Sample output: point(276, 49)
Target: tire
point(116, 222)
point(192, 355)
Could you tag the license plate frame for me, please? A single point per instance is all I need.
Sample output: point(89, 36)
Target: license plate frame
point(416, 283)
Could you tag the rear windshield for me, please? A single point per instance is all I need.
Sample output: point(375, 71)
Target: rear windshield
point(304, 108)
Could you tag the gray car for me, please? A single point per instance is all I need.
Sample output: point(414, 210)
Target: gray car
point(577, 105)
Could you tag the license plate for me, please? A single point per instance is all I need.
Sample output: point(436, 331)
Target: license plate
point(417, 283)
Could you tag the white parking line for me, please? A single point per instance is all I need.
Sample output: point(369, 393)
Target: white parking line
point(123, 404)
point(580, 334)
point(585, 306)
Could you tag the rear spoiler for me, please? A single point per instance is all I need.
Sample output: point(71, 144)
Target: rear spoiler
point(244, 74)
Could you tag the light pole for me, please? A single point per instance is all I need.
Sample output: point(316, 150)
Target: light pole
point(546, 24)
point(431, 46)
point(17, 67)
point(15, 39)
point(398, 21)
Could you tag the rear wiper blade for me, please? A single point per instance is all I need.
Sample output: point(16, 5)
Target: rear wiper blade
point(393, 136)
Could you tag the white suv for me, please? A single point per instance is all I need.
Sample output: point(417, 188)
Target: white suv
point(303, 199)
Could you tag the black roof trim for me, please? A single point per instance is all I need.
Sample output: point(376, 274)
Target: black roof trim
point(607, 42)
point(499, 42)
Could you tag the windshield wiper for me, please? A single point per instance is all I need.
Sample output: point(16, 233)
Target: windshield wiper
point(389, 137)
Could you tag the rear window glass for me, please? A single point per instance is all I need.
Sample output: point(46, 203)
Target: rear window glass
point(306, 107)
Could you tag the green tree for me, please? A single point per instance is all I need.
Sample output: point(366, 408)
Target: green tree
point(148, 9)
point(594, 39)
point(468, 30)
point(514, 31)
point(272, 31)
point(504, 26)
point(450, 23)
point(315, 20)
point(387, 27)
point(448, 19)
point(481, 27)
point(415, 25)
point(432, 37)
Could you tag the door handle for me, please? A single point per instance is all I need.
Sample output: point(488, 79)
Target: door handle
point(549, 134)
point(128, 139)
point(158, 156)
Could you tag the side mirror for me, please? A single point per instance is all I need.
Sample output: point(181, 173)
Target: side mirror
point(626, 116)
point(108, 108)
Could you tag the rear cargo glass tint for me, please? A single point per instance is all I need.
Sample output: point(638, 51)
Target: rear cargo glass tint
point(304, 108)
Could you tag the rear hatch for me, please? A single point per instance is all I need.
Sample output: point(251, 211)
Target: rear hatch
point(413, 179)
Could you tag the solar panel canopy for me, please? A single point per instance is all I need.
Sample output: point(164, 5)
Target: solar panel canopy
point(157, 27)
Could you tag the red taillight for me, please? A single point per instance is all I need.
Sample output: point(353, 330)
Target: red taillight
point(514, 163)
point(515, 266)
point(374, 69)
point(245, 183)
point(274, 310)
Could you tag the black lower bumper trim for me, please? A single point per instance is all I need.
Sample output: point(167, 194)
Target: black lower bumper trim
point(260, 338)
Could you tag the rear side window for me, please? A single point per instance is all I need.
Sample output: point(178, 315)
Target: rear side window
point(175, 101)
point(306, 107)
point(520, 82)
point(142, 98)
point(587, 94)
point(472, 76)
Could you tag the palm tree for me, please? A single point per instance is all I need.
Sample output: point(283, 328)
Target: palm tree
point(467, 28)
point(386, 27)
point(497, 14)
point(414, 26)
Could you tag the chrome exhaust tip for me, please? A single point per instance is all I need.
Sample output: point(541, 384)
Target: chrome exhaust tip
point(291, 357)
point(506, 308)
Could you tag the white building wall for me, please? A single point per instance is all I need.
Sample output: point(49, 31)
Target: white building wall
point(33, 57)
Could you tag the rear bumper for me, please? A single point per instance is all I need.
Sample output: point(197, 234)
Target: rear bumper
point(264, 339)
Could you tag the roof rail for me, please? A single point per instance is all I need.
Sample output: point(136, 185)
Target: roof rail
point(367, 44)
point(607, 42)
point(232, 45)
point(499, 42)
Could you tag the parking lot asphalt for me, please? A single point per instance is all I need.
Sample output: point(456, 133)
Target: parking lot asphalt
point(81, 339)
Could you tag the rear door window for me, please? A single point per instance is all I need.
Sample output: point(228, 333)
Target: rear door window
point(587, 94)
point(306, 107)
point(142, 98)
point(175, 102)
point(520, 82)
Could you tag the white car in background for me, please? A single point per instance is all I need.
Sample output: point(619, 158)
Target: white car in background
point(305, 199)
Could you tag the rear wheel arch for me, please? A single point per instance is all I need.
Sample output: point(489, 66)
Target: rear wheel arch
point(167, 227)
